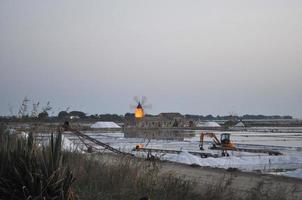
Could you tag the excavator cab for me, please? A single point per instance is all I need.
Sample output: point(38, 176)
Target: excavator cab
point(226, 141)
point(225, 138)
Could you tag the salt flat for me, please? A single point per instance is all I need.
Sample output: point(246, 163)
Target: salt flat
point(289, 144)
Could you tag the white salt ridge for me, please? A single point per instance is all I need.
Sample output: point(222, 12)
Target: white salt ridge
point(246, 162)
point(296, 173)
point(105, 125)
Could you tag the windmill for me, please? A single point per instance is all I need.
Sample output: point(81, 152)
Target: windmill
point(140, 106)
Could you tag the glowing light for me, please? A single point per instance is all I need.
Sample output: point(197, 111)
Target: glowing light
point(139, 112)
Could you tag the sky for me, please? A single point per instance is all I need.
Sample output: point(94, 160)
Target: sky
point(190, 56)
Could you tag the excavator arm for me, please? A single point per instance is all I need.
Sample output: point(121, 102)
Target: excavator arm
point(211, 135)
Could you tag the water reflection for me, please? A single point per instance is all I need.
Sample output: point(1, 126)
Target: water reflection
point(159, 134)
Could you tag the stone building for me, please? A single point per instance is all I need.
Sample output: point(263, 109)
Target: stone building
point(163, 120)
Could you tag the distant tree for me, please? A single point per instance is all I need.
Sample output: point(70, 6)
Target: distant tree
point(43, 115)
point(62, 114)
point(209, 117)
point(95, 116)
point(129, 115)
point(80, 114)
point(111, 117)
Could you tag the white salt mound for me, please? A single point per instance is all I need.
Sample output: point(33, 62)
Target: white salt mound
point(105, 125)
point(208, 124)
point(239, 124)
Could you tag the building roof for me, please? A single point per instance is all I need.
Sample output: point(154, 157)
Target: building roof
point(170, 115)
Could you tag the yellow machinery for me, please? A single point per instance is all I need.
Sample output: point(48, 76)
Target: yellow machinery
point(224, 143)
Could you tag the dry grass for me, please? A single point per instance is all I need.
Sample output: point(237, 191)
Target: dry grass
point(101, 177)
point(279, 192)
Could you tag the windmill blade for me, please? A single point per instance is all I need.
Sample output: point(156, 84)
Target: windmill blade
point(136, 99)
point(143, 100)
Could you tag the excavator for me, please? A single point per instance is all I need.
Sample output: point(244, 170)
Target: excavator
point(224, 143)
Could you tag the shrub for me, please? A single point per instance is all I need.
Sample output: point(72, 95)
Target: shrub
point(28, 172)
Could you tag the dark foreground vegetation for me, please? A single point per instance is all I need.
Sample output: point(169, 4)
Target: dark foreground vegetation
point(28, 171)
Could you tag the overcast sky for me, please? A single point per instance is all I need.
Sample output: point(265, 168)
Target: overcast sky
point(189, 56)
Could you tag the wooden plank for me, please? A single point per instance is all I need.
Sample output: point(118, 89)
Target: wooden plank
point(150, 150)
point(97, 142)
point(270, 152)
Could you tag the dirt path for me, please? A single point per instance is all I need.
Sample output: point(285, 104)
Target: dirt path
point(240, 182)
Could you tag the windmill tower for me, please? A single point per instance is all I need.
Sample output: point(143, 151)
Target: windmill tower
point(139, 111)
point(139, 108)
